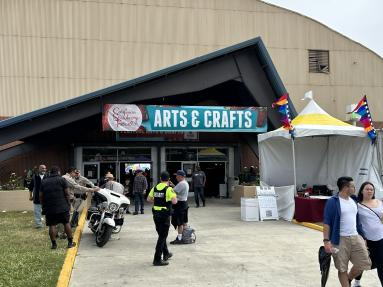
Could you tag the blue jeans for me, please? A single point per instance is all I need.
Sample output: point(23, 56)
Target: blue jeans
point(138, 201)
point(198, 191)
point(37, 212)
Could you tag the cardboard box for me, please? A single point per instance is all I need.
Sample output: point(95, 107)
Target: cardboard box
point(243, 191)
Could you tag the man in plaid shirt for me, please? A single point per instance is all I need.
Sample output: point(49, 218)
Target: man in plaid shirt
point(140, 185)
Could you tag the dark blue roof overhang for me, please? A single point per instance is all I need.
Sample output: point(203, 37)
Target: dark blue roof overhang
point(248, 62)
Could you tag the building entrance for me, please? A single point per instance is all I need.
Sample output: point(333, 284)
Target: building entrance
point(215, 175)
point(212, 160)
point(91, 171)
point(127, 173)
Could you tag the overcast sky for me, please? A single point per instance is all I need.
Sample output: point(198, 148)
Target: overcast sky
point(360, 20)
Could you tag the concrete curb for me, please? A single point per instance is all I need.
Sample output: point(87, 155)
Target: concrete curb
point(309, 225)
point(66, 270)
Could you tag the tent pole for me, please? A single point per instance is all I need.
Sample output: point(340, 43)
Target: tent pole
point(294, 166)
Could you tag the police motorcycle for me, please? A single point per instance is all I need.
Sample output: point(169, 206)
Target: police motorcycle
point(106, 215)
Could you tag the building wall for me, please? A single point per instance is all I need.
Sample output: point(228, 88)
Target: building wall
point(49, 155)
point(53, 50)
point(248, 157)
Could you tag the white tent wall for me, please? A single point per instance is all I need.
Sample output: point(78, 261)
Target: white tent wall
point(311, 157)
point(355, 157)
point(320, 160)
point(276, 162)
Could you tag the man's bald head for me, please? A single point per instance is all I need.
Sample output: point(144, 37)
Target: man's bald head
point(42, 169)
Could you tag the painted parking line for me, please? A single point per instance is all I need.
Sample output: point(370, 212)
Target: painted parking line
point(66, 270)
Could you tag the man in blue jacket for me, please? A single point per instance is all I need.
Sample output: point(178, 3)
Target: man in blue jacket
point(342, 233)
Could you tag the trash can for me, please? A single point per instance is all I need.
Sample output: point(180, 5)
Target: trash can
point(249, 209)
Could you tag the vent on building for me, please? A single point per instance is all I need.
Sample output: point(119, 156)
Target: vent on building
point(319, 61)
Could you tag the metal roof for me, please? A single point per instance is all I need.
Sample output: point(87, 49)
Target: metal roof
point(263, 55)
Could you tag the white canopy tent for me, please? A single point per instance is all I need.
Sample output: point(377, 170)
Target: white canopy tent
point(323, 150)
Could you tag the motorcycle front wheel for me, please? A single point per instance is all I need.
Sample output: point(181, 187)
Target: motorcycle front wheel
point(117, 229)
point(103, 235)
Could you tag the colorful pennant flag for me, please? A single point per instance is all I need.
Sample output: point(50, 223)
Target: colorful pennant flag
point(283, 104)
point(365, 118)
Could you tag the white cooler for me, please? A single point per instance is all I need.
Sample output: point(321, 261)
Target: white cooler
point(249, 209)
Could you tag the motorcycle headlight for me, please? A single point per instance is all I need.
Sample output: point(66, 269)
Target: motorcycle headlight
point(113, 207)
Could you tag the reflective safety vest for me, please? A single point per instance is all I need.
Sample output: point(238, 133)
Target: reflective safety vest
point(160, 202)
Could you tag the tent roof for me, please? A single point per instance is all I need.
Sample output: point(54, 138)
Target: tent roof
point(314, 121)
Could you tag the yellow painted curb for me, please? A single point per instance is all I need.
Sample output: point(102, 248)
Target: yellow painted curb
point(309, 225)
point(66, 270)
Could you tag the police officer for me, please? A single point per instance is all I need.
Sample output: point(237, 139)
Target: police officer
point(80, 196)
point(76, 191)
point(163, 196)
point(82, 180)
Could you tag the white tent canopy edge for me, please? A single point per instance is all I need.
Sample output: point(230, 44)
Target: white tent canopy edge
point(325, 149)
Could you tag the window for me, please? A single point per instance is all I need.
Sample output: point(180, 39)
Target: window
point(135, 154)
point(319, 61)
point(99, 154)
point(181, 154)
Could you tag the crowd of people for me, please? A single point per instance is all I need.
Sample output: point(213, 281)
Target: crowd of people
point(352, 225)
point(353, 231)
point(55, 196)
point(60, 198)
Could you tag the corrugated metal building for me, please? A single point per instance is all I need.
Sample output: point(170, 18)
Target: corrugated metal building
point(54, 50)
point(71, 132)
point(53, 53)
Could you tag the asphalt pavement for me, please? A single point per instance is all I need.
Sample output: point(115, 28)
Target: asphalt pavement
point(228, 252)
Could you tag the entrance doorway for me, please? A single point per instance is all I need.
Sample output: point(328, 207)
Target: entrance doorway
point(106, 167)
point(215, 175)
point(189, 168)
point(127, 172)
point(171, 168)
point(91, 171)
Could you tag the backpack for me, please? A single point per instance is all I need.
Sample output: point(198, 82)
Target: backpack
point(188, 235)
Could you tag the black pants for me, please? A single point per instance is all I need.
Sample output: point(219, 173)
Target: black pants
point(199, 192)
point(162, 222)
point(376, 255)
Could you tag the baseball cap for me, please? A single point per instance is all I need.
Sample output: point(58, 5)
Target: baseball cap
point(181, 173)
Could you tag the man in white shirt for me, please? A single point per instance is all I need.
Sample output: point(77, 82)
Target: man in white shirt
point(180, 215)
point(341, 233)
point(34, 190)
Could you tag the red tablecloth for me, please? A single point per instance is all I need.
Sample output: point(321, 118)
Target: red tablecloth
point(309, 209)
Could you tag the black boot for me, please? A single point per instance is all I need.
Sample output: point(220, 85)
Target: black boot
point(71, 243)
point(54, 244)
point(160, 263)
